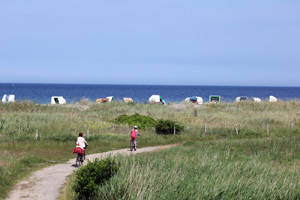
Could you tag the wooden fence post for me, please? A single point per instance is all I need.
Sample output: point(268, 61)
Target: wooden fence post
point(236, 130)
point(267, 128)
point(88, 133)
point(174, 130)
point(36, 134)
point(292, 125)
point(205, 128)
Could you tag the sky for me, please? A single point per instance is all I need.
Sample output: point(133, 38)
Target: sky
point(157, 42)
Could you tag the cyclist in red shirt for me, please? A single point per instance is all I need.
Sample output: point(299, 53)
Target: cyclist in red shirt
point(133, 135)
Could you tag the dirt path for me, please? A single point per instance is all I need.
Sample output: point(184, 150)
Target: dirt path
point(45, 184)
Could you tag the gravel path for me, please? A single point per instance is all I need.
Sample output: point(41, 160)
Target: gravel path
point(45, 184)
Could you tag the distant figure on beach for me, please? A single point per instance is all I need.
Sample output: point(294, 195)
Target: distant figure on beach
point(163, 102)
point(133, 135)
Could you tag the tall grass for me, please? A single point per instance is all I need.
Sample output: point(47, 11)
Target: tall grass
point(249, 169)
point(19, 120)
point(58, 127)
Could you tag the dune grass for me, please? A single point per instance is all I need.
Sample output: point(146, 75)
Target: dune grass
point(59, 125)
point(248, 169)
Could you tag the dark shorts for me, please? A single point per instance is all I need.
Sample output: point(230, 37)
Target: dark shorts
point(133, 138)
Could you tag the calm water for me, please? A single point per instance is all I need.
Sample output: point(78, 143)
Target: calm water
point(41, 93)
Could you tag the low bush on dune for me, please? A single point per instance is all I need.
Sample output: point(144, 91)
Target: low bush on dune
point(166, 127)
point(143, 122)
point(91, 176)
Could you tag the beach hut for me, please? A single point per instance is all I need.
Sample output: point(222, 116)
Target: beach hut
point(241, 98)
point(98, 100)
point(198, 100)
point(255, 99)
point(102, 100)
point(214, 99)
point(58, 100)
point(110, 98)
point(8, 98)
point(272, 99)
point(128, 99)
point(155, 99)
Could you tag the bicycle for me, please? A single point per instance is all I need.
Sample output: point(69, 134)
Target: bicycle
point(79, 160)
point(132, 146)
point(80, 157)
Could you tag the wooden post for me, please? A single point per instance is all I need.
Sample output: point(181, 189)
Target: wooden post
point(292, 125)
point(174, 130)
point(205, 128)
point(36, 134)
point(267, 128)
point(236, 130)
point(88, 133)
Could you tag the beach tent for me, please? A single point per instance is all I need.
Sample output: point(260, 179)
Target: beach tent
point(255, 99)
point(198, 100)
point(8, 98)
point(110, 98)
point(155, 99)
point(214, 98)
point(128, 99)
point(58, 100)
point(241, 98)
point(102, 100)
point(99, 100)
point(272, 99)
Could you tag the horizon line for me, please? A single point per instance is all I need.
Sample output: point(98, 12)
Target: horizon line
point(132, 84)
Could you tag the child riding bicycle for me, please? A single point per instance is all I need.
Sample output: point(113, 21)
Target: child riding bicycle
point(81, 144)
point(133, 135)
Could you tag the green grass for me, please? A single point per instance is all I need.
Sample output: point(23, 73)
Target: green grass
point(58, 127)
point(249, 169)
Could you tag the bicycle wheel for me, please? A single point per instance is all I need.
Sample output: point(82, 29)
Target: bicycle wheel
point(79, 160)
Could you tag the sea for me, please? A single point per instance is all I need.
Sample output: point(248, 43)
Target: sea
point(42, 93)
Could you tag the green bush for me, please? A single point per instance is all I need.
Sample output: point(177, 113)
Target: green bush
point(166, 127)
point(89, 177)
point(143, 122)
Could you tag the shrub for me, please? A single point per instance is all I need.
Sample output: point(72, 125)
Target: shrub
point(166, 127)
point(89, 177)
point(143, 122)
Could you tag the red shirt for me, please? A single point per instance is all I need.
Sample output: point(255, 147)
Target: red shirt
point(133, 134)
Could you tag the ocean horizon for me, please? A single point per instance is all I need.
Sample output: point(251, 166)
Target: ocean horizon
point(42, 92)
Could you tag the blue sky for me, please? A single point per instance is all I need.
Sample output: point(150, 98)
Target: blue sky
point(191, 42)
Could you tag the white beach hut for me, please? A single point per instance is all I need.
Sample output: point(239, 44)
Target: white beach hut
point(198, 100)
point(154, 99)
point(272, 99)
point(110, 98)
point(8, 98)
point(255, 99)
point(58, 100)
point(128, 99)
